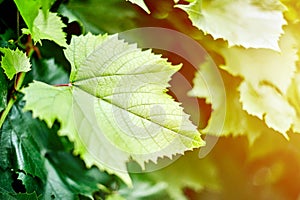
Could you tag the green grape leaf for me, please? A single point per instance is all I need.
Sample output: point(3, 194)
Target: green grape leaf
point(275, 69)
point(3, 90)
point(50, 28)
point(141, 4)
point(14, 61)
point(46, 5)
point(267, 104)
point(241, 23)
point(30, 9)
point(117, 102)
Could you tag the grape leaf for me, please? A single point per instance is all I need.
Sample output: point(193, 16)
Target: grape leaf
point(50, 28)
point(3, 90)
point(267, 88)
point(206, 82)
point(239, 22)
point(46, 5)
point(248, 62)
point(269, 105)
point(14, 61)
point(119, 104)
point(237, 121)
point(30, 9)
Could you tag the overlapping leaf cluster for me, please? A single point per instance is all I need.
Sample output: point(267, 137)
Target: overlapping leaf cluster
point(256, 47)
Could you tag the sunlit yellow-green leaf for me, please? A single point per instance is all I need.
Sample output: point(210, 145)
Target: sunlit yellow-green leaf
point(259, 66)
point(237, 121)
point(240, 22)
point(269, 105)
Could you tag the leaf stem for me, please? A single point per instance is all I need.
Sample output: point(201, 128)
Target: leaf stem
point(6, 111)
point(19, 81)
point(12, 100)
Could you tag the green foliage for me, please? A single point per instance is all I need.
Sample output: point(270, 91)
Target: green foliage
point(101, 81)
point(14, 61)
point(49, 28)
point(79, 113)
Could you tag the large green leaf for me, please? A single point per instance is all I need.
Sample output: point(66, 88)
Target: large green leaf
point(240, 22)
point(120, 106)
point(50, 28)
point(14, 61)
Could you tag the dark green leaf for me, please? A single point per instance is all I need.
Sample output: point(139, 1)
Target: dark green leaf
point(6, 182)
point(19, 143)
point(48, 71)
point(110, 16)
point(73, 171)
point(31, 184)
point(51, 50)
point(55, 188)
point(3, 90)
point(43, 160)
point(26, 196)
